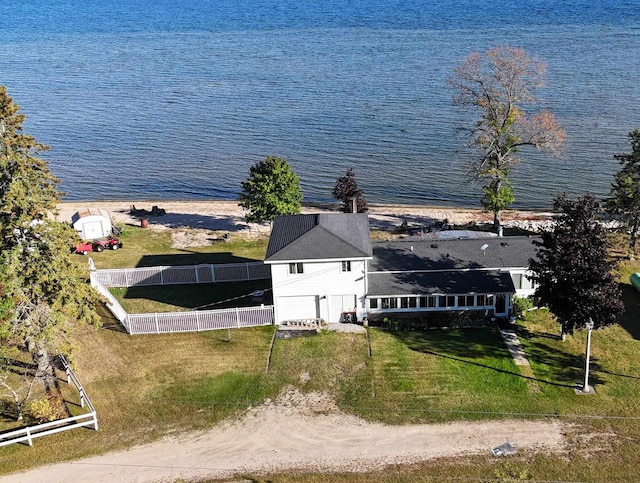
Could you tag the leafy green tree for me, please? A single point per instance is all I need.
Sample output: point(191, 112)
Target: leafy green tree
point(346, 191)
point(500, 85)
point(271, 189)
point(573, 271)
point(48, 291)
point(625, 192)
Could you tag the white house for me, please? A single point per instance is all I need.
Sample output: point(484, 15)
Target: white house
point(325, 266)
point(319, 265)
point(92, 223)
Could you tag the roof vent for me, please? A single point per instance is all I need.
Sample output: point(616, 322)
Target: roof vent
point(434, 245)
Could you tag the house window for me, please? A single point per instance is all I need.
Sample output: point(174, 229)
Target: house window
point(428, 301)
point(527, 283)
point(373, 303)
point(346, 266)
point(408, 302)
point(442, 301)
point(296, 268)
point(465, 300)
point(481, 300)
point(451, 300)
point(517, 280)
point(385, 303)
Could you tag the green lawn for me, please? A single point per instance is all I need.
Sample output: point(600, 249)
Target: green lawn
point(173, 298)
point(145, 387)
point(148, 248)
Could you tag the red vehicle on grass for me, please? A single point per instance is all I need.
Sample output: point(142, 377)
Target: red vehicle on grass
point(85, 247)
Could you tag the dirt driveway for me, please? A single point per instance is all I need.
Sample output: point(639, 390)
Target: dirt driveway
point(299, 432)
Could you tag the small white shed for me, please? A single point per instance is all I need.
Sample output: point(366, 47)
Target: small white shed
point(92, 223)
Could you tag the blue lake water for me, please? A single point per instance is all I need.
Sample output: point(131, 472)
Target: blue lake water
point(176, 100)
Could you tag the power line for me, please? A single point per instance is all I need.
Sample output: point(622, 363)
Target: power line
point(524, 415)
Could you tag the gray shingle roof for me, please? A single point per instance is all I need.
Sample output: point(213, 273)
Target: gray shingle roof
point(319, 237)
point(501, 252)
point(447, 282)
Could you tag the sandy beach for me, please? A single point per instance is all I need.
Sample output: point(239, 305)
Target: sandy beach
point(227, 216)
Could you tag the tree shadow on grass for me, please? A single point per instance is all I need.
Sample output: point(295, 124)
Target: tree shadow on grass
point(205, 296)
point(463, 345)
point(189, 257)
point(109, 322)
point(630, 319)
point(524, 333)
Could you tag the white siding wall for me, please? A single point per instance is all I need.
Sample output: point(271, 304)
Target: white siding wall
point(320, 279)
point(524, 285)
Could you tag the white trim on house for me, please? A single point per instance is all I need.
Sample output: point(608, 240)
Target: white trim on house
point(306, 260)
point(382, 304)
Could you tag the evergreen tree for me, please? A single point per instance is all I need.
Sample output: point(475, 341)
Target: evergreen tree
point(346, 190)
point(48, 291)
point(271, 189)
point(573, 270)
point(625, 192)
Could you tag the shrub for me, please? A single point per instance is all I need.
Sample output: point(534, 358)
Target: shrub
point(431, 320)
point(45, 410)
point(521, 305)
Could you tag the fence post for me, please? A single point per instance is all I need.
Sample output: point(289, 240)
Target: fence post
point(247, 267)
point(68, 371)
point(155, 315)
point(95, 421)
point(126, 278)
point(238, 316)
point(29, 437)
point(213, 273)
point(81, 397)
point(162, 275)
point(196, 270)
point(197, 321)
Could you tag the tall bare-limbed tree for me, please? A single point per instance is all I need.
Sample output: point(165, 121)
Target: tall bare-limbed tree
point(499, 84)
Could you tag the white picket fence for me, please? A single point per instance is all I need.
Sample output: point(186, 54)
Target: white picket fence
point(29, 433)
point(186, 274)
point(197, 321)
point(192, 321)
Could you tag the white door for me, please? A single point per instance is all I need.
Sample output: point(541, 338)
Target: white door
point(339, 304)
point(298, 307)
point(92, 230)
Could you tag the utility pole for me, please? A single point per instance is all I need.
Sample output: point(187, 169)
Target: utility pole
point(585, 386)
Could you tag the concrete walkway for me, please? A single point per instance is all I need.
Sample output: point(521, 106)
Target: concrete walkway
point(514, 346)
point(344, 327)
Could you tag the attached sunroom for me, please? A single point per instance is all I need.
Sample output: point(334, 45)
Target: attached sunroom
point(433, 291)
